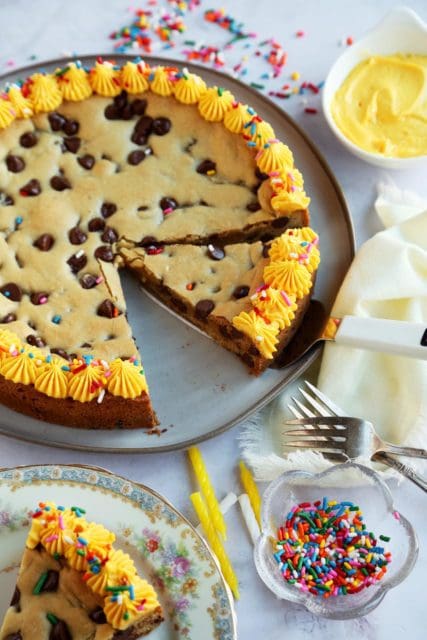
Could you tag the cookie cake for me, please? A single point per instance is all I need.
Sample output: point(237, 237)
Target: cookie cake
point(149, 170)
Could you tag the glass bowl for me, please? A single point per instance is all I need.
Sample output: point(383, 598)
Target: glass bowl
point(363, 487)
point(401, 31)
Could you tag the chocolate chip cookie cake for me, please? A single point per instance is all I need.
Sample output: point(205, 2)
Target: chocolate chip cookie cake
point(74, 585)
point(150, 170)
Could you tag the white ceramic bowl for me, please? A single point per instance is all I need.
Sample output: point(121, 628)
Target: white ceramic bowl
point(401, 31)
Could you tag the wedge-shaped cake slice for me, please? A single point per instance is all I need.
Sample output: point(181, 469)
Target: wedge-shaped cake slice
point(74, 585)
point(249, 297)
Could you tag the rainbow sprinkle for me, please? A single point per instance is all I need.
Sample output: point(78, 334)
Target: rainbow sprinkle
point(324, 549)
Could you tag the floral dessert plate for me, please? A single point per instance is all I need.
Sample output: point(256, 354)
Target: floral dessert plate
point(165, 547)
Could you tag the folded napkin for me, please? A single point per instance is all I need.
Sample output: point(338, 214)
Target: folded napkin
point(387, 279)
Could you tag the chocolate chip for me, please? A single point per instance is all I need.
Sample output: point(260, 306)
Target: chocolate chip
point(70, 127)
point(60, 183)
point(121, 100)
point(139, 106)
point(96, 224)
point(14, 636)
point(77, 235)
point(168, 203)
point(203, 308)
point(77, 261)
point(126, 113)
point(6, 200)
point(87, 161)
point(104, 253)
point(112, 112)
point(56, 121)
point(205, 166)
point(11, 291)
point(214, 252)
point(109, 235)
point(88, 281)
point(107, 209)
point(241, 291)
point(280, 223)
point(16, 597)
point(39, 297)
point(107, 309)
point(60, 631)
point(253, 206)
point(28, 140)
point(72, 144)
point(15, 164)
point(44, 242)
point(266, 237)
point(10, 317)
point(260, 175)
point(61, 353)
point(139, 137)
point(161, 126)
point(51, 582)
point(144, 125)
point(265, 250)
point(147, 241)
point(98, 616)
point(32, 188)
point(35, 341)
point(136, 157)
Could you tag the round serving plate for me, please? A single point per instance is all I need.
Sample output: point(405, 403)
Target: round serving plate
point(198, 389)
point(165, 547)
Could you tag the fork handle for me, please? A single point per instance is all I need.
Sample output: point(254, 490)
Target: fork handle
point(412, 452)
point(389, 336)
point(403, 469)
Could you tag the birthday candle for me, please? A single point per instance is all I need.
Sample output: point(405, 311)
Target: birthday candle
point(207, 490)
point(251, 489)
point(215, 543)
point(249, 517)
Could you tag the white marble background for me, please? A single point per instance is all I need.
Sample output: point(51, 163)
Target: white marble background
point(51, 28)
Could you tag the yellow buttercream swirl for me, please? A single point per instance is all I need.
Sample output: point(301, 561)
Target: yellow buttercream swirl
point(92, 541)
point(44, 93)
point(289, 276)
point(58, 534)
point(274, 156)
point(7, 112)
point(189, 88)
point(9, 341)
point(133, 77)
point(122, 610)
point(74, 83)
point(19, 369)
point(276, 306)
point(161, 82)
point(38, 524)
point(104, 79)
point(262, 334)
point(22, 106)
point(85, 385)
point(126, 379)
point(214, 104)
point(289, 202)
point(289, 247)
point(52, 380)
point(119, 569)
point(304, 233)
point(236, 118)
point(259, 131)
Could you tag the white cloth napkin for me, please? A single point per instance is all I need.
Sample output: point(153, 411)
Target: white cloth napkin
point(387, 279)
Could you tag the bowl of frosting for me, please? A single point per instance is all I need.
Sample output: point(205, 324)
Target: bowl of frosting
point(375, 95)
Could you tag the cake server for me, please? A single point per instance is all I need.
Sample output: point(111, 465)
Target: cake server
point(376, 334)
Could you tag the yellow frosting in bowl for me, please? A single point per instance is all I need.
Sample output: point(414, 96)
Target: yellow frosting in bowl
point(382, 105)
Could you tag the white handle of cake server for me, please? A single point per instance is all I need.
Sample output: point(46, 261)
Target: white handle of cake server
point(388, 336)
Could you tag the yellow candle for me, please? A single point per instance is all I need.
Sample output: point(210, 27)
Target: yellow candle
point(215, 543)
point(207, 490)
point(251, 489)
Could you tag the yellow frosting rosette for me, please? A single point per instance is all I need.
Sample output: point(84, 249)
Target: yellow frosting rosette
point(119, 569)
point(123, 606)
point(9, 341)
point(52, 380)
point(74, 83)
point(289, 276)
point(276, 306)
point(290, 247)
point(214, 104)
point(274, 156)
point(189, 87)
point(236, 117)
point(161, 81)
point(21, 368)
point(134, 77)
point(126, 379)
point(57, 534)
point(44, 93)
point(304, 233)
point(104, 79)
point(258, 131)
point(22, 106)
point(85, 383)
point(7, 112)
point(262, 334)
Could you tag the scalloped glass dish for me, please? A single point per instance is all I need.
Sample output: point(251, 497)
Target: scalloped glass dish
point(347, 481)
point(401, 31)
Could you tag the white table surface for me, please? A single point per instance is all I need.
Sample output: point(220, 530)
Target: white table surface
point(52, 28)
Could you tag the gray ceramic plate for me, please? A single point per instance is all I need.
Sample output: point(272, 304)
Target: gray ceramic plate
point(197, 388)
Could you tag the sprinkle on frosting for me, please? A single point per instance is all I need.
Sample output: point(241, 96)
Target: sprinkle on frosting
point(104, 79)
point(88, 548)
point(134, 77)
point(74, 82)
point(214, 104)
point(85, 382)
point(22, 106)
point(289, 247)
point(276, 305)
point(290, 276)
point(189, 87)
point(44, 92)
point(7, 112)
point(236, 118)
point(258, 131)
point(162, 81)
point(262, 334)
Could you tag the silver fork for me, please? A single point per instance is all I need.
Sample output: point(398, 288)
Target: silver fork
point(317, 427)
